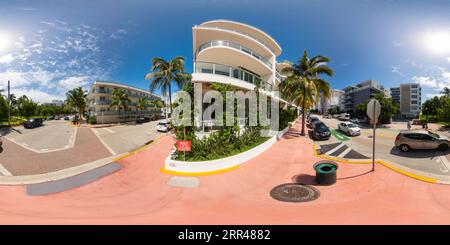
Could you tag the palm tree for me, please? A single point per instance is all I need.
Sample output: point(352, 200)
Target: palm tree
point(303, 86)
point(164, 72)
point(141, 104)
point(76, 98)
point(119, 99)
point(157, 103)
point(446, 91)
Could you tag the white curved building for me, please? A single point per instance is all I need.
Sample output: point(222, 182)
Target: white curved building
point(234, 53)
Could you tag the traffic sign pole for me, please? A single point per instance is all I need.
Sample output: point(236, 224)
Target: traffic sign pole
point(373, 143)
point(373, 112)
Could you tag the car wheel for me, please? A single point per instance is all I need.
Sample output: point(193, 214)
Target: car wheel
point(443, 147)
point(404, 148)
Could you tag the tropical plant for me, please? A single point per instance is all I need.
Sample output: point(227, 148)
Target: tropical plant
point(27, 107)
point(76, 98)
point(141, 104)
point(303, 85)
point(163, 73)
point(388, 108)
point(119, 99)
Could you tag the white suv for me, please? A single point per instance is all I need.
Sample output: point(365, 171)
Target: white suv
point(349, 128)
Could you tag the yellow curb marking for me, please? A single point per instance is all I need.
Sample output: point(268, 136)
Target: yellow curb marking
point(137, 150)
point(414, 176)
point(164, 170)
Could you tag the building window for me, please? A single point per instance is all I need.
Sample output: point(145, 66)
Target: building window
point(414, 102)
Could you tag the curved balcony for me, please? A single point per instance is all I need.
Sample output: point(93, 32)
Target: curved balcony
point(245, 34)
point(222, 43)
point(232, 72)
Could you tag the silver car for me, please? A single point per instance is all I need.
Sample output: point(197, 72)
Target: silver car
point(421, 139)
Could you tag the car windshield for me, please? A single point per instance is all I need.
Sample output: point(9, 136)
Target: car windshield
point(162, 124)
point(351, 125)
point(433, 135)
point(321, 127)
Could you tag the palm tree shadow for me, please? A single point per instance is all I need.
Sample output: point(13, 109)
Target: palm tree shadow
point(355, 176)
point(308, 179)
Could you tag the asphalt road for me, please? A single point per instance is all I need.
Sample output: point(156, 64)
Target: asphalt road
point(127, 137)
point(430, 161)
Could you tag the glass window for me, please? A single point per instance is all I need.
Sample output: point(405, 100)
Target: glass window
point(222, 70)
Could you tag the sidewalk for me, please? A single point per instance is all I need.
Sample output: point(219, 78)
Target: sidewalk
point(138, 194)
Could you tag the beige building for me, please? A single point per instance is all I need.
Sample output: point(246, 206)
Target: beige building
point(98, 103)
point(409, 96)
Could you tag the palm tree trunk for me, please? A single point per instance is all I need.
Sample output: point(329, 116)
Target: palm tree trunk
point(303, 112)
point(170, 99)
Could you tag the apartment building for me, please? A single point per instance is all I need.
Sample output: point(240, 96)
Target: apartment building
point(409, 97)
point(238, 54)
point(336, 100)
point(361, 93)
point(98, 103)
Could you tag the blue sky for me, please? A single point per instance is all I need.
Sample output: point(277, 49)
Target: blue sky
point(53, 46)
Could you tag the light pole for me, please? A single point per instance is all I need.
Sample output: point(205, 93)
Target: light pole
point(9, 103)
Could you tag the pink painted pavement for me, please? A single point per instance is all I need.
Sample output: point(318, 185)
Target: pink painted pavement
point(138, 194)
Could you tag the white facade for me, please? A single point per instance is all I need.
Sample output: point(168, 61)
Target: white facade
point(336, 100)
point(234, 53)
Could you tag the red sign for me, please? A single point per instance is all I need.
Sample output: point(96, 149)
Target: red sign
point(184, 145)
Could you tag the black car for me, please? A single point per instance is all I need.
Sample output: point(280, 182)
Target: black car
point(320, 131)
point(143, 120)
point(33, 123)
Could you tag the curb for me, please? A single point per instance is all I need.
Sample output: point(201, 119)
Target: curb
point(384, 163)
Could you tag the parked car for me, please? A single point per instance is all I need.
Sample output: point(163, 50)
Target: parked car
point(67, 118)
point(359, 120)
point(51, 118)
point(312, 119)
point(327, 116)
point(33, 123)
point(344, 117)
point(349, 128)
point(320, 131)
point(143, 120)
point(163, 126)
point(421, 139)
point(335, 116)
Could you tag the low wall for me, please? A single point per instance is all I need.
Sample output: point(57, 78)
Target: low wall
point(215, 166)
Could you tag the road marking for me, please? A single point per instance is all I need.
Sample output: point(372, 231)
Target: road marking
point(103, 142)
point(4, 171)
point(443, 162)
point(334, 149)
point(345, 152)
point(338, 135)
point(109, 130)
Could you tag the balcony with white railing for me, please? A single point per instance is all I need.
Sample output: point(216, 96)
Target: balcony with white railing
point(231, 72)
point(222, 43)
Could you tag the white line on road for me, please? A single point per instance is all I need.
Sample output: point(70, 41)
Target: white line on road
point(4, 171)
point(103, 142)
point(444, 162)
point(345, 152)
point(334, 149)
point(109, 130)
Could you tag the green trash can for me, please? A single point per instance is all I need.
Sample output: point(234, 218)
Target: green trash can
point(325, 172)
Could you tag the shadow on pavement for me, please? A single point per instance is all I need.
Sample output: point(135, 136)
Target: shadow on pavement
point(418, 153)
point(355, 176)
point(304, 179)
point(8, 130)
point(1, 149)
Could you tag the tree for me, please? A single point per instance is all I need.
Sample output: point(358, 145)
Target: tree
point(76, 98)
point(164, 73)
point(388, 108)
point(446, 91)
point(27, 107)
point(361, 109)
point(303, 85)
point(119, 100)
point(141, 104)
point(3, 109)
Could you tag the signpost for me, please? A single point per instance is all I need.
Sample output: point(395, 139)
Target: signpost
point(373, 112)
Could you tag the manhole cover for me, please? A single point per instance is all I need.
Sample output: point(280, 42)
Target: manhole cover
point(294, 193)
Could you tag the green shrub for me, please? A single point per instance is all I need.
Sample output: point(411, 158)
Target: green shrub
point(92, 120)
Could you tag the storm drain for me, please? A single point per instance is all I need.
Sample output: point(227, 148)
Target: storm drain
point(294, 193)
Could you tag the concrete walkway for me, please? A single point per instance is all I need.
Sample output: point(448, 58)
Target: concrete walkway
point(139, 194)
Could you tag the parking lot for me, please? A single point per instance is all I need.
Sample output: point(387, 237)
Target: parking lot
point(360, 147)
point(124, 138)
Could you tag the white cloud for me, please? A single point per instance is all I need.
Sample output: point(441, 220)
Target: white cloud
point(425, 81)
point(118, 33)
point(396, 70)
point(38, 95)
point(448, 59)
point(73, 82)
point(6, 59)
point(429, 95)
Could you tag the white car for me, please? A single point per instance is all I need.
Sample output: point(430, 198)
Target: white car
point(349, 128)
point(163, 126)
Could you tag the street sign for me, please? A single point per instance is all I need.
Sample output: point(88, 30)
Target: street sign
point(183, 145)
point(373, 110)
